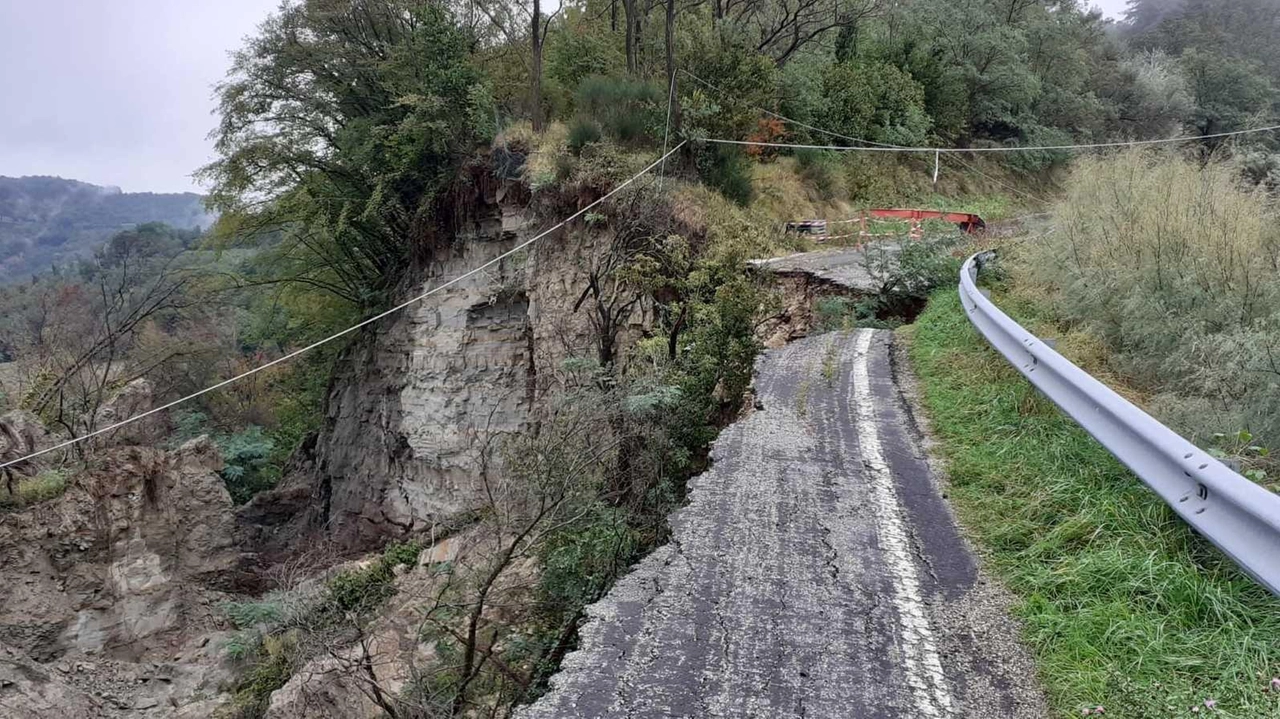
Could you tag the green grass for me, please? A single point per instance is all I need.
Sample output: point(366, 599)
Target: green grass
point(32, 490)
point(1124, 607)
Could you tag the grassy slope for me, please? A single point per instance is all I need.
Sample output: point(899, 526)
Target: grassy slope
point(1123, 605)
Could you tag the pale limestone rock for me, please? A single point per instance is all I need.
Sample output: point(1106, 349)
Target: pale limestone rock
point(124, 561)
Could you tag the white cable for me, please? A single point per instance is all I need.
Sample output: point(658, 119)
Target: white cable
point(1018, 148)
point(666, 134)
point(348, 330)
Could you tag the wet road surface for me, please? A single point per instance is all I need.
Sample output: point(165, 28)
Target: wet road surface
point(815, 572)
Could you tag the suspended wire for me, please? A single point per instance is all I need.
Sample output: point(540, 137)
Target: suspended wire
point(349, 330)
point(666, 134)
point(1002, 148)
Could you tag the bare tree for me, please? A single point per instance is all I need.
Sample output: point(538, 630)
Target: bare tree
point(781, 28)
point(83, 336)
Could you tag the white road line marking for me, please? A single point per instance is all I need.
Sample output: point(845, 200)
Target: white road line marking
point(920, 650)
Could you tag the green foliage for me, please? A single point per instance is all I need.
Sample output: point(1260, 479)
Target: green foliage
point(1123, 605)
point(582, 132)
point(626, 109)
point(748, 81)
point(251, 613)
point(579, 564)
point(1227, 95)
point(273, 662)
point(247, 470)
point(727, 169)
point(46, 485)
point(908, 274)
point(362, 590)
point(346, 123)
point(874, 101)
point(579, 52)
point(282, 631)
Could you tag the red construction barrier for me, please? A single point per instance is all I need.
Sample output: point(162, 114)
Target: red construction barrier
point(966, 221)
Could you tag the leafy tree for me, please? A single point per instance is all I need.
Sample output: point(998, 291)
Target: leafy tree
point(1227, 95)
point(345, 121)
point(874, 101)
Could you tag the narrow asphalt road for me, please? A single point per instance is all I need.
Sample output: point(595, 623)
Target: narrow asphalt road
point(815, 572)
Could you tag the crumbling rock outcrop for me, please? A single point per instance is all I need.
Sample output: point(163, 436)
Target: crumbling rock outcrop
point(421, 402)
point(125, 563)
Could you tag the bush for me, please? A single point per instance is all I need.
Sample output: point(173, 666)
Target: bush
point(361, 590)
point(875, 101)
point(907, 276)
point(746, 80)
point(44, 486)
point(727, 169)
point(1173, 266)
point(247, 469)
point(582, 132)
point(624, 108)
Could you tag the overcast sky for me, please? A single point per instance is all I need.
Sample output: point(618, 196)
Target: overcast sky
point(120, 93)
point(115, 93)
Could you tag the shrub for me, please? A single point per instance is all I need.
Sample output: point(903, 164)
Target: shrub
point(624, 108)
point(247, 470)
point(875, 101)
point(360, 590)
point(727, 169)
point(746, 80)
point(1173, 266)
point(582, 132)
point(44, 486)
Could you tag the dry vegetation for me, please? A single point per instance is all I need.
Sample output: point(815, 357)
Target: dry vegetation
point(1171, 266)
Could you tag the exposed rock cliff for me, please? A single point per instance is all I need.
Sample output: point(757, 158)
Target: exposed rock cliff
point(420, 402)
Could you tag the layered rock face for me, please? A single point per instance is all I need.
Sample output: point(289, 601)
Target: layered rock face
point(421, 405)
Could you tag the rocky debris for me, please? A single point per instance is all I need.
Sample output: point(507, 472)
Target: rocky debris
point(192, 685)
point(136, 551)
point(28, 430)
point(33, 691)
point(132, 400)
point(394, 650)
point(115, 586)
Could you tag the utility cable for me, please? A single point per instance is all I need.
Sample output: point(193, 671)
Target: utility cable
point(349, 330)
point(1002, 148)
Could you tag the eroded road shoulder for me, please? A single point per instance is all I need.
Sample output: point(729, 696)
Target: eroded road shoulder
point(815, 572)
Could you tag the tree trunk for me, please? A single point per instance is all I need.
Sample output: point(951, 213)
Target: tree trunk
point(613, 15)
point(671, 67)
point(633, 34)
point(536, 71)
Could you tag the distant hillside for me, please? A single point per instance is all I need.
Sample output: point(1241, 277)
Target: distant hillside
point(45, 220)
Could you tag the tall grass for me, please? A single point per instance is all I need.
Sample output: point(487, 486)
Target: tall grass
point(1123, 605)
point(1175, 266)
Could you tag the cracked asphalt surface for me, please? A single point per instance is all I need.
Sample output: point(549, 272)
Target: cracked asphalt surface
point(816, 571)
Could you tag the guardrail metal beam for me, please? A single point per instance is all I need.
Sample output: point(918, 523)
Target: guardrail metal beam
point(1238, 516)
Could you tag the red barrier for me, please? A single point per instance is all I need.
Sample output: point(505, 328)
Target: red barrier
point(966, 221)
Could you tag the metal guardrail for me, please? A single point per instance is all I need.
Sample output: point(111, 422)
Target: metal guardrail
point(1237, 515)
